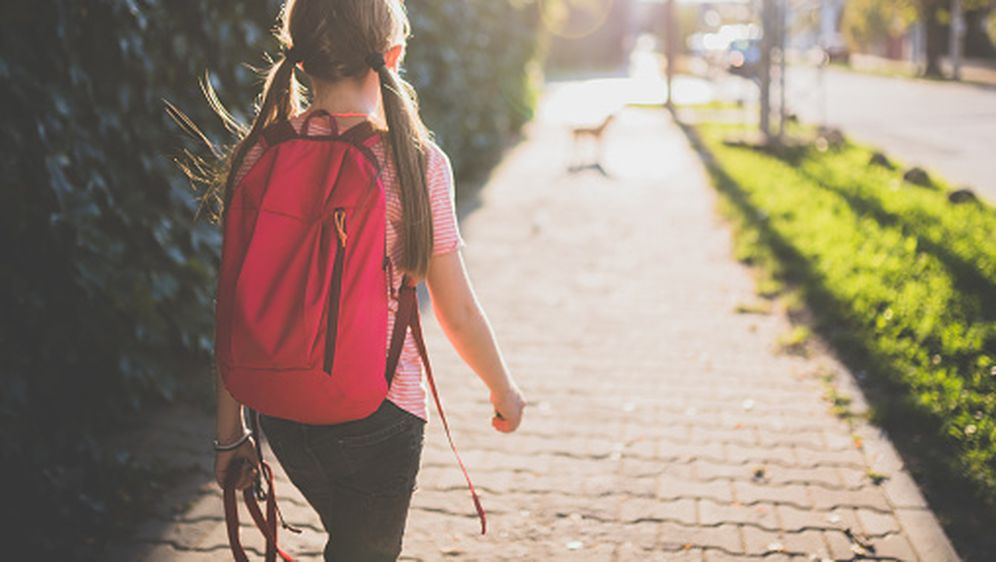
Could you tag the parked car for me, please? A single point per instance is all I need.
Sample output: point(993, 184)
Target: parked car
point(743, 58)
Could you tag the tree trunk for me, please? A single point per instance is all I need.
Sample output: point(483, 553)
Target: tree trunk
point(935, 38)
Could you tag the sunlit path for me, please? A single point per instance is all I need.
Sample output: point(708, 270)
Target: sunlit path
point(664, 425)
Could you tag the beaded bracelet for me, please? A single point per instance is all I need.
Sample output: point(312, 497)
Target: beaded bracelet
point(233, 445)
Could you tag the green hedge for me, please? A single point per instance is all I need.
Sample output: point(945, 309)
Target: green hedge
point(902, 281)
point(108, 279)
point(475, 66)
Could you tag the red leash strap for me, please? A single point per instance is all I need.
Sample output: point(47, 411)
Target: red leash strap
point(267, 525)
point(408, 292)
point(232, 513)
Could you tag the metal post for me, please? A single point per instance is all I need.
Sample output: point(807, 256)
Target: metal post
point(670, 32)
point(824, 61)
point(957, 33)
point(764, 76)
point(782, 43)
point(919, 47)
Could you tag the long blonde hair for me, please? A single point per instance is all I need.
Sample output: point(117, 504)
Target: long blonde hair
point(333, 40)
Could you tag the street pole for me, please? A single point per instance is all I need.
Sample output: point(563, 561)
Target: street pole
point(764, 76)
point(824, 60)
point(782, 43)
point(670, 31)
point(957, 31)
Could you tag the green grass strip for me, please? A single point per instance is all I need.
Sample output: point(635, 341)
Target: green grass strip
point(902, 282)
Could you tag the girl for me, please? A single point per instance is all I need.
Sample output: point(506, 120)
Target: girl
point(359, 475)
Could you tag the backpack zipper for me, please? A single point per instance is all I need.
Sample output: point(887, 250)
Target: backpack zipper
point(389, 268)
point(335, 290)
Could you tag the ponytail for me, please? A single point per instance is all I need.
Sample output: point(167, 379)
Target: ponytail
point(408, 137)
point(343, 39)
point(281, 97)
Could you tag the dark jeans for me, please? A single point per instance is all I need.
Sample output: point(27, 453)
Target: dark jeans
point(359, 476)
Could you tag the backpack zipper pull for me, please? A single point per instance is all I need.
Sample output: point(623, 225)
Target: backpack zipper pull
point(340, 225)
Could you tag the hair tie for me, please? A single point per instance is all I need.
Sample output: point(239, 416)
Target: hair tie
point(376, 61)
point(292, 54)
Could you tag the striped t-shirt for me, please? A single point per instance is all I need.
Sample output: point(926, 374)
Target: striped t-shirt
point(407, 390)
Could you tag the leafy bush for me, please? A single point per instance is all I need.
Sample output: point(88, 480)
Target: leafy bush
point(107, 281)
point(108, 278)
point(474, 65)
point(903, 282)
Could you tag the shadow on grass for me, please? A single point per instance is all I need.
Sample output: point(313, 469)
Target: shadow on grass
point(966, 517)
point(968, 279)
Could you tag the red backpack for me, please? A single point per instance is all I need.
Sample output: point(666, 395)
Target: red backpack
point(302, 302)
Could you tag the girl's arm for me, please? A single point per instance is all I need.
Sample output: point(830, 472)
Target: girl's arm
point(229, 426)
point(467, 328)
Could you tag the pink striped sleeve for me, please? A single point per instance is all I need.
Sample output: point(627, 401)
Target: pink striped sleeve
point(442, 194)
point(248, 161)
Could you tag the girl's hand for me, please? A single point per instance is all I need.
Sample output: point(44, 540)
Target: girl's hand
point(508, 409)
point(243, 458)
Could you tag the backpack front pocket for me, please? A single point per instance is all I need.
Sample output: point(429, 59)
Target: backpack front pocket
point(270, 325)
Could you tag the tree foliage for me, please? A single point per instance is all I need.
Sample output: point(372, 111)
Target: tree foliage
point(870, 22)
point(108, 278)
point(990, 25)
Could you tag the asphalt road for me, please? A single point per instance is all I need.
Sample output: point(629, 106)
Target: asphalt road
point(944, 127)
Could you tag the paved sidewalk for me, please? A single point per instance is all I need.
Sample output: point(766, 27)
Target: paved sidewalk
point(663, 425)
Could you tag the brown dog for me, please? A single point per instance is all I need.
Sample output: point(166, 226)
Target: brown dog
point(592, 136)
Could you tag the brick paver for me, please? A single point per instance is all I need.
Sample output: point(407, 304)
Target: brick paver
point(662, 424)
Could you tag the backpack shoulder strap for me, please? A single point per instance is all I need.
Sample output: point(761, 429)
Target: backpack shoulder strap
point(408, 317)
point(362, 136)
point(278, 132)
point(407, 300)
